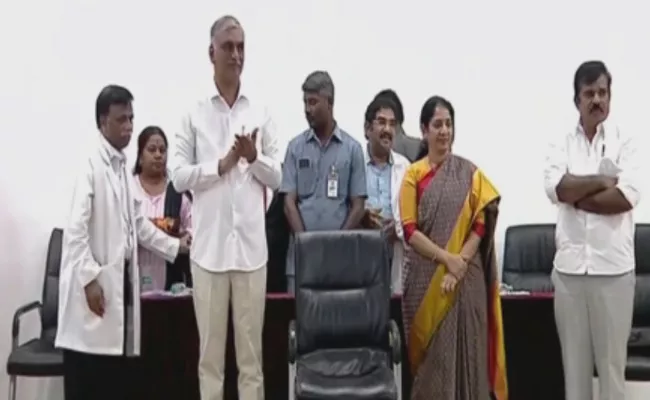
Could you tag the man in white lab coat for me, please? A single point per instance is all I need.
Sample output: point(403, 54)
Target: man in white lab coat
point(385, 171)
point(99, 308)
point(227, 155)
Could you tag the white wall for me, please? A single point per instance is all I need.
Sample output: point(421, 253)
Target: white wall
point(506, 65)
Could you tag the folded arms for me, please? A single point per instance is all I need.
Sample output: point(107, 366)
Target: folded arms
point(597, 194)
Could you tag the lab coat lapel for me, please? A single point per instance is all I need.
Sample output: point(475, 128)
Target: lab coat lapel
point(133, 205)
point(113, 179)
point(397, 172)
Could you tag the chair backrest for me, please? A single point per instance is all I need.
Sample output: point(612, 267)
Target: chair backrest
point(342, 290)
point(50, 299)
point(277, 239)
point(528, 257)
point(642, 290)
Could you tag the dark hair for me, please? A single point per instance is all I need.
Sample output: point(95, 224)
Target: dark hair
point(111, 95)
point(320, 82)
point(428, 109)
point(379, 103)
point(392, 96)
point(143, 138)
point(587, 73)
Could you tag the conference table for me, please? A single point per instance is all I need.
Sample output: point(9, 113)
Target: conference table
point(168, 366)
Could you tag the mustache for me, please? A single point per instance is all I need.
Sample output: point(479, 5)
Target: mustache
point(595, 107)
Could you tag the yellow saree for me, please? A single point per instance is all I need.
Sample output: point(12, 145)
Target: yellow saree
point(449, 335)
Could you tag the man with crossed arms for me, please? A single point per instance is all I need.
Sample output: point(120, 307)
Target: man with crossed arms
point(592, 174)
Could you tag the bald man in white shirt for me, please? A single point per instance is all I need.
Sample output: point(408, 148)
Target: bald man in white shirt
point(592, 174)
point(227, 155)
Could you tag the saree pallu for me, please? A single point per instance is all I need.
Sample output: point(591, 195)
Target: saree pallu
point(455, 340)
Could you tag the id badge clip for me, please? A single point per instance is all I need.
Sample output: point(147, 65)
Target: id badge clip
point(333, 184)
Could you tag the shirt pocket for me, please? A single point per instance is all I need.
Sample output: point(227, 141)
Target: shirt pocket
point(306, 185)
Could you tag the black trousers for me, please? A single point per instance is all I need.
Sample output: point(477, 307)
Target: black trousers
point(98, 377)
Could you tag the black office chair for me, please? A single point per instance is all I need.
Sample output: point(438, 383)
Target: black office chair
point(38, 357)
point(638, 359)
point(528, 257)
point(342, 343)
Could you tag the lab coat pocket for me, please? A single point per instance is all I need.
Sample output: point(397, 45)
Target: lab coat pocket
point(93, 321)
point(106, 282)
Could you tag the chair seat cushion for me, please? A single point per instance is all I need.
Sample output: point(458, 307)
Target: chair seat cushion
point(350, 374)
point(36, 358)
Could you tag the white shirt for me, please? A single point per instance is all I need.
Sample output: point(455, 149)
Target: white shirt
point(228, 211)
point(587, 243)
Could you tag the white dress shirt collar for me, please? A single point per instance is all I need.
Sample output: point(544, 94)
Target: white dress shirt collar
point(242, 94)
point(113, 154)
point(600, 129)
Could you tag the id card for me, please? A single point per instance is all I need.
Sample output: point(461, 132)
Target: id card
point(333, 184)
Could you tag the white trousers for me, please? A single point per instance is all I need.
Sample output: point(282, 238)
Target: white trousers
point(593, 315)
point(213, 294)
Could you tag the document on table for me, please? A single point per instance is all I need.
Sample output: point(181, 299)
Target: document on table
point(506, 290)
point(165, 293)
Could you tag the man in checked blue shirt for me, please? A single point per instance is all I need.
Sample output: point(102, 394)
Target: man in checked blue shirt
point(323, 176)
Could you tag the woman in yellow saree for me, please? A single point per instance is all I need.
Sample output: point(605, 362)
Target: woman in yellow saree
point(451, 305)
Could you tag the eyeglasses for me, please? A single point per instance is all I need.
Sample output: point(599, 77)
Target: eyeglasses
point(384, 123)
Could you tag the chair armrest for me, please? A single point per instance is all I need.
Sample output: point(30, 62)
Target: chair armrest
point(293, 342)
point(20, 312)
point(639, 337)
point(395, 341)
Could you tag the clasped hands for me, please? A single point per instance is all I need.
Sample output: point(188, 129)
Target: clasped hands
point(456, 269)
point(244, 147)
